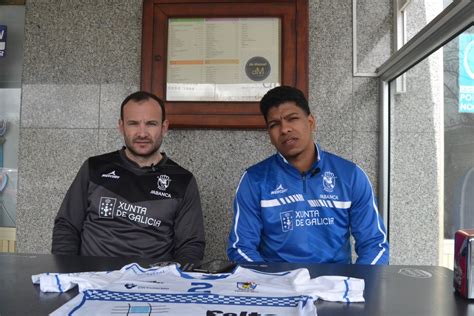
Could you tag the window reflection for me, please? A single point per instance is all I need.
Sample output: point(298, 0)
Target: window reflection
point(459, 133)
point(432, 144)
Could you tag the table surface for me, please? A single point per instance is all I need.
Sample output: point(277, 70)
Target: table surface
point(389, 290)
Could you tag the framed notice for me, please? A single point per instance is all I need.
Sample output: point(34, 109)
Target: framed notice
point(212, 61)
point(222, 59)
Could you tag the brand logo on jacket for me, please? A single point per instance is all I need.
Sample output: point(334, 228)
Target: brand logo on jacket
point(110, 175)
point(106, 207)
point(329, 181)
point(279, 189)
point(287, 219)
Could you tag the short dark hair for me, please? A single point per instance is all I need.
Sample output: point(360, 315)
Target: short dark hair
point(143, 96)
point(276, 96)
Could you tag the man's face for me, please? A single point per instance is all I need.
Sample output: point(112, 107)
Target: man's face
point(290, 130)
point(142, 128)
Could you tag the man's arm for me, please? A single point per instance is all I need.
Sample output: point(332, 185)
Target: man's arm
point(245, 234)
point(189, 227)
point(69, 220)
point(366, 225)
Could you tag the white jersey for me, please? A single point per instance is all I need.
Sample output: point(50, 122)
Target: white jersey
point(170, 291)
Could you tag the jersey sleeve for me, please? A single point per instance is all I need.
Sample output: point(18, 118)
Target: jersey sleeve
point(189, 227)
point(69, 220)
point(244, 238)
point(371, 243)
point(332, 288)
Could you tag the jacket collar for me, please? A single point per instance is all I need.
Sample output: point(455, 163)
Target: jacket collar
point(282, 160)
point(134, 165)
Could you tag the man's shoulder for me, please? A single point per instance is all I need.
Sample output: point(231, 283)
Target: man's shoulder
point(333, 159)
point(113, 156)
point(172, 166)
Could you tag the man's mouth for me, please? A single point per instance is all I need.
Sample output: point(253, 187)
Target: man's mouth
point(142, 141)
point(289, 141)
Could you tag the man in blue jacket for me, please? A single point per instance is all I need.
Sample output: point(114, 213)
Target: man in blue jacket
point(303, 204)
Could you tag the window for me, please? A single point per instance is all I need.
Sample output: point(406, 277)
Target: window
point(428, 133)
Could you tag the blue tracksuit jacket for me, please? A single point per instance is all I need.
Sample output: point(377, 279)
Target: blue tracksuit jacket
point(283, 215)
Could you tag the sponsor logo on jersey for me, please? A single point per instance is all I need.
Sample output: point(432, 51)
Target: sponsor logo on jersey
point(287, 220)
point(312, 218)
point(110, 175)
point(291, 219)
point(159, 193)
point(109, 208)
point(242, 313)
point(163, 182)
point(130, 286)
point(106, 207)
point(279, 189)
point(329, 181)
point(329, 196)
point(246, 286)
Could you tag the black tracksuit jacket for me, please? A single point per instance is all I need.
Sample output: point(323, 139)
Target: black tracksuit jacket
point(115, 208)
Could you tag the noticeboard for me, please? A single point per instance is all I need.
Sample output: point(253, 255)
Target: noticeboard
point(212, 61)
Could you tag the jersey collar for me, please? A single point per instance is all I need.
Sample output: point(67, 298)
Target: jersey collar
point(134, 165)
point(282, 159)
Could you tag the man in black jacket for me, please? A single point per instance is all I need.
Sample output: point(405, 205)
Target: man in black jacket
point(134, 202)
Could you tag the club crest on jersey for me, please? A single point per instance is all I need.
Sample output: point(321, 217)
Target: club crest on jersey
point(279, 189)
point(106, 207)
point(246, 286)
point(163, 182)
point(329, 181)
point(287, 221)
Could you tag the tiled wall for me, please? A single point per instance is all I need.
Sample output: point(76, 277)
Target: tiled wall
point(82, 58)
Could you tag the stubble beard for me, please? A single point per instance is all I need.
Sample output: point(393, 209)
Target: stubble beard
point(150, 153)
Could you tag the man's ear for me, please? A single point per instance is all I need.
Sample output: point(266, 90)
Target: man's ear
point(312, 122)
point(164, 127)
point(120, 126)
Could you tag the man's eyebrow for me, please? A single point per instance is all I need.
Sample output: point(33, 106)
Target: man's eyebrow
point(273, 120)
point(279, 119)
point(290, 114)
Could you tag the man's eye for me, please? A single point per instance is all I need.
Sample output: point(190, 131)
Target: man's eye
point(152, 123)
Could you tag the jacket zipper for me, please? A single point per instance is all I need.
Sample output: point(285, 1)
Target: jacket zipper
point(303, 176)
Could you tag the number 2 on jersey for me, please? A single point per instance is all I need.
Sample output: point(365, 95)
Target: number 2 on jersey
point(200, 287)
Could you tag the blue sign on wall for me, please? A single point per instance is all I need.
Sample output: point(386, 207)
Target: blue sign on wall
point(466, 73)
point(3, 40)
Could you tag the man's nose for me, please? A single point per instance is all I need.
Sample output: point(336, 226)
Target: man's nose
point(285, 127)
point(142, 130)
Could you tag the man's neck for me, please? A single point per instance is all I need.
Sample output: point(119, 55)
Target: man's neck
point(304, 161)
point(144, 161)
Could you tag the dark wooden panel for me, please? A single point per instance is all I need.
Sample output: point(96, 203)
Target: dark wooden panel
point(293, 56)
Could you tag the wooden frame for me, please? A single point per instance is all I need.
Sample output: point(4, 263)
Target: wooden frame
point(294, 56)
